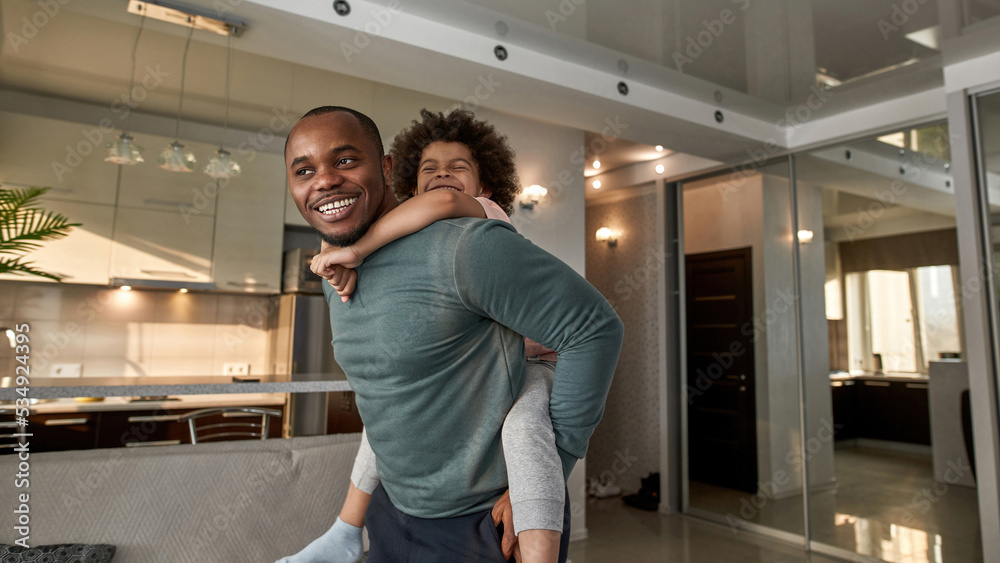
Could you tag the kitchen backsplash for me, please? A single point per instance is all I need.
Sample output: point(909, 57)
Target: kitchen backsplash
point(114, 333)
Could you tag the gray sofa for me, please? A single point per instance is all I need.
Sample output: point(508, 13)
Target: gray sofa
point(219, 502)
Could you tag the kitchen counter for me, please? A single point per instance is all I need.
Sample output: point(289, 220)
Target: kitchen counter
point(54, 406)
point(51, 388)
point(844, 376)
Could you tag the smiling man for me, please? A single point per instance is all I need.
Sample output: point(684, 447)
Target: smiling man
point(431, 343)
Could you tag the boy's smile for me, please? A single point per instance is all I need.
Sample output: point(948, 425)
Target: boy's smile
point(449, 166)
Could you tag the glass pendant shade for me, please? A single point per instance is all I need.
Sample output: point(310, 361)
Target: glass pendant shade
point(124, 151)
point(222, 166)
point(174, 159)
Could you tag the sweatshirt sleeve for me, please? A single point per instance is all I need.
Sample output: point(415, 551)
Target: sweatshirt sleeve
point(501, 275)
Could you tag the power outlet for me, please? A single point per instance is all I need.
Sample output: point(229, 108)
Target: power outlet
point(235, 369)
point(66, 370)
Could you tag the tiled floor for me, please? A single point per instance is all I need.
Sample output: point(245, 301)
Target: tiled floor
point(886, 505)
point(619, 534)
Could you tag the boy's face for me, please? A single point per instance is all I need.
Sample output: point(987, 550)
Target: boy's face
point(449, 166)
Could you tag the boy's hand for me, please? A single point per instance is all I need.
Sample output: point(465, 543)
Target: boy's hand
point(322, 264)
point(343, 280)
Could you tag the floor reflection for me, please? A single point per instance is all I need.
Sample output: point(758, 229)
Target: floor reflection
point(894, 542)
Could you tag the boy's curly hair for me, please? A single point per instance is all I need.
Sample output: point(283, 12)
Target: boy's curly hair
point(492, 154)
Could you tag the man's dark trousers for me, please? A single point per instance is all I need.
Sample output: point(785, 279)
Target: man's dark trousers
point(396, 537)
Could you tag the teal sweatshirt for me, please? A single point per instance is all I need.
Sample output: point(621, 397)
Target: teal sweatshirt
point(431, 343)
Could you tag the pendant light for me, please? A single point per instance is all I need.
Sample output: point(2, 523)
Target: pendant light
point(123, 150)
point(222, 166)
point(174, 158)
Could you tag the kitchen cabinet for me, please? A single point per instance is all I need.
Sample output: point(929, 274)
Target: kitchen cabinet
point(162, 245)
point(147, 186)
point(84, 256)
point(891, 410)
point(143, 222)
point(249, 227)
point(66, 156)
point(292, 215)
point(115, 429)
point(64, 431)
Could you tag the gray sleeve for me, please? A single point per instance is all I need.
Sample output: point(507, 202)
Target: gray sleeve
point(364, 474)
point(534, 468)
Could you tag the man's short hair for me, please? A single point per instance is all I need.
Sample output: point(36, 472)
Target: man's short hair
point(367, 125)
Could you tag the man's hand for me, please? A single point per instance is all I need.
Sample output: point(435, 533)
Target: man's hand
point(502, 512)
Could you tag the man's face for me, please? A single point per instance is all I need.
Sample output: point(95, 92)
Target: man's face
point(336, 178)
point(449, 166)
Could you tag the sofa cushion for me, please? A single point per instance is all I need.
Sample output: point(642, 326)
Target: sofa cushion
point(61, 553)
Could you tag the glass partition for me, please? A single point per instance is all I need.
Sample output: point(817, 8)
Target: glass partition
point(886, 390)
point(977, 11)
point(988, 113)
point(743, 418)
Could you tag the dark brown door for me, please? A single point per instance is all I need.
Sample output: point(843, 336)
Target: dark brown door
point(722, 436)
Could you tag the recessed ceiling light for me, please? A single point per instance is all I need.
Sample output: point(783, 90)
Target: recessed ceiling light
point(597, 164)
point(659, 148)
point(126, 288)
point(659, 169)
point(597, 184)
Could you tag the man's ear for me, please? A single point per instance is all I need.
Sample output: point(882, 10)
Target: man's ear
point(387, 171)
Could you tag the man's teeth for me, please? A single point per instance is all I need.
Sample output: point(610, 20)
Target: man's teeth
point(336, 205)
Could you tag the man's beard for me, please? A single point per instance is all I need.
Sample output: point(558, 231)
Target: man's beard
point(349, 238)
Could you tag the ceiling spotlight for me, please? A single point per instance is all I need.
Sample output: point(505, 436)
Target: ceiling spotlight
point(597, 164)
point(126, 288)
point(597, 184)
point(659, 169)
point(659, 148)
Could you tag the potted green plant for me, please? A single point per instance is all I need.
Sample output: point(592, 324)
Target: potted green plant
point(23, 227)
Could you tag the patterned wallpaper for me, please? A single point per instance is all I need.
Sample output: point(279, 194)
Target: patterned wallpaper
point(626, 444)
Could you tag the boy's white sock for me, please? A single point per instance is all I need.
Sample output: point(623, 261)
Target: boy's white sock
point(340, 544)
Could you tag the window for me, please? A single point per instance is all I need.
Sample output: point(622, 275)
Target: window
point(900, 320)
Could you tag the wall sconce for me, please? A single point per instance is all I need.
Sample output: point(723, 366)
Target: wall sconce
point(605, 234)
point(805, 237)
point(532, 195)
